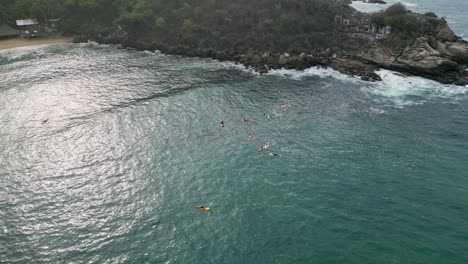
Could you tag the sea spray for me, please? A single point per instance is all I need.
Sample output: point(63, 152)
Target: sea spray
point(409, 90)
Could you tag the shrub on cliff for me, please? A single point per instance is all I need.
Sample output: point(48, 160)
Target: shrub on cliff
point(431, 14)
point(397, 9)
point(406, 22)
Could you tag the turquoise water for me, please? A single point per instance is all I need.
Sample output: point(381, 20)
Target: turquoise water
point(368, 173)
point(104, 153)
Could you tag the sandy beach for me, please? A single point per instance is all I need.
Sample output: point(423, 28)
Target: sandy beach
point(20, 42)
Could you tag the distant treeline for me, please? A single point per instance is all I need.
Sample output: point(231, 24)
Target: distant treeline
point(207, 23)
point(272, 25)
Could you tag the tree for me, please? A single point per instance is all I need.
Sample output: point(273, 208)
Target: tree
point(397, 9)
point(187, 26)
point(160, 22)
point(4, 16)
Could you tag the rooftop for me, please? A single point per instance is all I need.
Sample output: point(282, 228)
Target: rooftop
point(27, 22)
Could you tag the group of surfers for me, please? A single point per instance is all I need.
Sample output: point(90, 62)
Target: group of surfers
point(251, 135)
point(249, 138)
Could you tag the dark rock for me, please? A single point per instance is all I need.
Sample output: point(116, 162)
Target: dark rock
point(376, 2)
point(445, 63)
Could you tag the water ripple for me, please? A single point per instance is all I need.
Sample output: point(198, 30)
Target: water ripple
point(104, 153)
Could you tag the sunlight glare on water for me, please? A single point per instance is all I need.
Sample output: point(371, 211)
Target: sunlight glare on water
point(105, 152)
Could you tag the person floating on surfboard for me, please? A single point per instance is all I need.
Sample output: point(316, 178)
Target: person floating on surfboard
point(245, 120)
point(250, 136)
point(267, 145)
point(221, 124)
point(203, 208)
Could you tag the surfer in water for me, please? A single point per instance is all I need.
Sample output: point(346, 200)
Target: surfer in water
point(203, 208)
point(221, 124)
point(273, 154)
point(245, 120)
point(250, 136)
point(267, 145)
point(284, 109)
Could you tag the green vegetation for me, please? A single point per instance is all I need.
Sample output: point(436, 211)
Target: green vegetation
point(397, 9)
point(10, 10)
point(239, 26)
point(405, 22)
point(272, 25)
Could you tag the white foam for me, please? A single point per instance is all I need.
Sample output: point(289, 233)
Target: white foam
point(314, 71)
point(25, 49)
point(18, 52)
point(402, 90)
point(370, 7)
point(367, 7)
point(408, 4)
point(238, 66)
point(377, 111)
point(89, 43)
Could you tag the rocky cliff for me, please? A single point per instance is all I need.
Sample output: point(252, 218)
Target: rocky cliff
point(424, 46)
point(442, 57)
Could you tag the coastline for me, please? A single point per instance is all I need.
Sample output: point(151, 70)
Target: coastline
point(22, 42)
point(261, 62)
point(439, 68)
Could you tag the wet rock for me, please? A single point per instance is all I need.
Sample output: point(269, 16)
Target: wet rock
point(355, 67)
point(444, 63)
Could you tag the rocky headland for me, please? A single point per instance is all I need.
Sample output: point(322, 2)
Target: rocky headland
point(442, 56)
point(359, 44)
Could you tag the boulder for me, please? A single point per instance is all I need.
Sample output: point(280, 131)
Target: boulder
point(445, 63)
point(445, 33)
point(458, 51)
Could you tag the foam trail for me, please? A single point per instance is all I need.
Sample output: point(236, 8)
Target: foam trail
point(408, 4)
point(313, 71)
point(402, 90)
point(239, 67)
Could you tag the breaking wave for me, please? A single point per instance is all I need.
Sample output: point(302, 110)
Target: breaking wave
point(314, 72)
point(395, 89)
point(408, 4)
point(401, 90)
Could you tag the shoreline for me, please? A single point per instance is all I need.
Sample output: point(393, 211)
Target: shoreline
point(418, 58)
point(260, 62)
point(27, 42)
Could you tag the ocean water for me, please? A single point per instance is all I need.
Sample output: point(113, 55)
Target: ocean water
point(104, 152)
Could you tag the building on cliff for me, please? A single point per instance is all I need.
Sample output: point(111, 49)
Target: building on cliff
point(361, 27)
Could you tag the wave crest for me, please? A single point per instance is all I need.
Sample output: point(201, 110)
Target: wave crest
point(402, 90)
point(313, 71)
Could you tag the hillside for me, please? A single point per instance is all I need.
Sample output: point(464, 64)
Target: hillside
point(218, 24)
